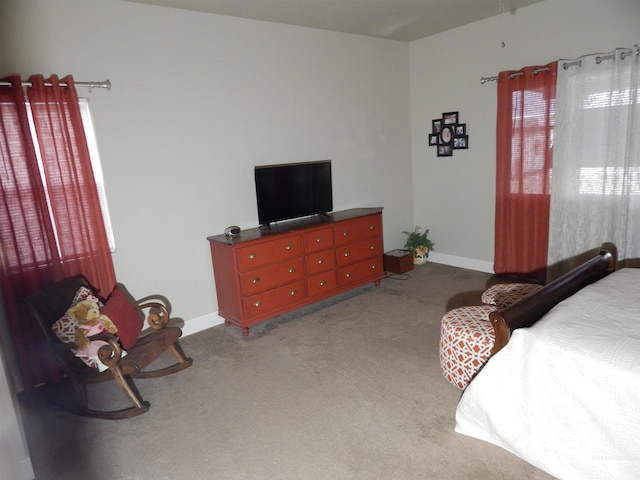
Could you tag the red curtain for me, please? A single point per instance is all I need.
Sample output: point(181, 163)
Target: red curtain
point(51, 224)
point(526, 108)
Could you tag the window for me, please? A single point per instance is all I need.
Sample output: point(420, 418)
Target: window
point(92, 144)
point(609, 181)
point(597, 179)
point(90, 134)
point(535, 116)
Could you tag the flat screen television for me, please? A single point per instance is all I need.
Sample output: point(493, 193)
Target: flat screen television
point(293, 190)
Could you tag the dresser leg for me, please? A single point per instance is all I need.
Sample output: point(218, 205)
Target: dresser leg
point(245, 331)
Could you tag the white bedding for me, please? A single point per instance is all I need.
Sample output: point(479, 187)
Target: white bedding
point(564, 395)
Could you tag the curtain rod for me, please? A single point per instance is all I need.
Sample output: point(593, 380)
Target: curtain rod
point(536, 71)
point(484, 80)
point(106, 84)
point(570, 63)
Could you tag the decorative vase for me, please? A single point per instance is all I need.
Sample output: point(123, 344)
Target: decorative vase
point(420, 255)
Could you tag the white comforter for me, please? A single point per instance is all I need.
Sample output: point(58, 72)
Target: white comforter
point(564, 395)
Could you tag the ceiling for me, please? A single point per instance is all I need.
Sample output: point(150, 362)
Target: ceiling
point(404, 20)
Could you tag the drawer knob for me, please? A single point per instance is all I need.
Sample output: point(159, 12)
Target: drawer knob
point(347, 275)
point(323, 283)
point(257, 304)
point(346, 254)
point(374, 266)
point(372, 227)
point(292, 269)
point(373, 247)
point(345, 233)
point(252, 256)
point(320, 261)
point(255, 280)
point(319, 239)
point(289, 247)
point(293, 292)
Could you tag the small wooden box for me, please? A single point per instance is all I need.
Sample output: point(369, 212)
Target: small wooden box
point(398, 261)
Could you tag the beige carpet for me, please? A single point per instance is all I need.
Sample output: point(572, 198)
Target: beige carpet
point(349, 389)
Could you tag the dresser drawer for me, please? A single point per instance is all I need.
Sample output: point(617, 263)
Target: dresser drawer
point(321, 283)
point(320, 262)
point(355, 230)
point(361, 271)
point(358, 251)
point(318, 240)
point(265, 253)
point(268, 277)
point(270, 300)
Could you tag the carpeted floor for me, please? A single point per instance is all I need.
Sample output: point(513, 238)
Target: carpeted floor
point(346, 389)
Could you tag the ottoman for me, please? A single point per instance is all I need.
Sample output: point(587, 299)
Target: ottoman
point(466, 340)
point(502, 295)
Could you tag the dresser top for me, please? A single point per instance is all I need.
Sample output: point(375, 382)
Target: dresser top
point(294, 225)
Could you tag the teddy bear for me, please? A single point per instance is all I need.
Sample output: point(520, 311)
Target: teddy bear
point(90, 322)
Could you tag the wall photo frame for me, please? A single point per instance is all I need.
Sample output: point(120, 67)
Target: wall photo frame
point(445, 150)
point(447, 134)
point(461, 142)
point(450, 118)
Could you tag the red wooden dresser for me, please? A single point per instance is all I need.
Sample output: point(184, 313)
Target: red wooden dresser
point(263, 272)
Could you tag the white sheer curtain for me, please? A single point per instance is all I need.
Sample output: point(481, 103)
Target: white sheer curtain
point(595, 190)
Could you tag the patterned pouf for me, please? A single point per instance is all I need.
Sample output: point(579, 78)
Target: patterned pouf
point(466, 340)
point(504, 294)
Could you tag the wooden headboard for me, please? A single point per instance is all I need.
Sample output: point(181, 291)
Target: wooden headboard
point(531, 308)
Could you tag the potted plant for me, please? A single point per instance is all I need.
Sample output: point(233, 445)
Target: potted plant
point(419, 245)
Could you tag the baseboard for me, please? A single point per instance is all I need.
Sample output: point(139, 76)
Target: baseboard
point(461, 262)
point(203, 322)
point(212, 319)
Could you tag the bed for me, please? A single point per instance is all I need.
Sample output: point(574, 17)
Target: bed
point(564, 393)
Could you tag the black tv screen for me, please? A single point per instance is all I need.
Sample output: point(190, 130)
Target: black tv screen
point(293, 190)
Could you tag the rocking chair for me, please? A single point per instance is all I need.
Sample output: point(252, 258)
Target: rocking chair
point(50, 304)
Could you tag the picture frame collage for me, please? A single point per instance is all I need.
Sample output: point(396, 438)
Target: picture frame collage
point(448, 134)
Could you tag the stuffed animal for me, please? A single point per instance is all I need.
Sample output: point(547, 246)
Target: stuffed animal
point(90, 322)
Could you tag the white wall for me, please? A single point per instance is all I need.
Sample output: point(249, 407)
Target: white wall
point(454, 196)
point(197, 101)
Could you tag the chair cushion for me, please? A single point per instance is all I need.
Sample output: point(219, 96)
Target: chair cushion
point(125, 316)
point(466, 340)
point(504, 294)
point(65, 327)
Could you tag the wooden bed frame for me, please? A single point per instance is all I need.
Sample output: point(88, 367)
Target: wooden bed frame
point(531, 308)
